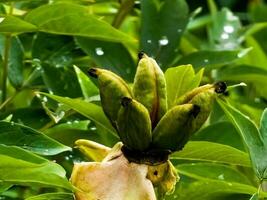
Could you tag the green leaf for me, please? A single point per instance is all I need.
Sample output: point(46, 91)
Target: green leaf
point(251, 137)
point(258, 11)
point(211, 59)
point(220, 132)
point(67, 83)
point(89, 110)
point(162, 25)
point(53, 196)
point(204, 171)
point(254, 197)
point(34, 117)
point(68, 133)
point(212, 152)
point(263, 126)
point(210, 190)
point(180, 80)
point(242, 73)
point(225, 30)
point(245, 73)
point(53, 49)
point(11, 24)
point(75, 20)
point(30, 139)
point(5, 1)
point(4, 186)
point(109, 55)
point(88, 87)
point(256, 57)
point(21, 167)
point(15, 64)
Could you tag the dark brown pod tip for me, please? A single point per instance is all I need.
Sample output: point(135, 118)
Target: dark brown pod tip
point(196, 111)
point(93, 72)
point(141, 55)
point(220, 87)
point(125, 101)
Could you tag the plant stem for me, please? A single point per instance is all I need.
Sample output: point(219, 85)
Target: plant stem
point(126, 7)
point(259, 190)
point(6, 60)
point(5, 67)
point(7, 101)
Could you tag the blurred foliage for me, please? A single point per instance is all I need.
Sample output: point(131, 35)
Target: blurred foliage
point(47, 46)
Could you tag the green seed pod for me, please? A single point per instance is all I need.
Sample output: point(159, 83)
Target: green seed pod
point(112, 89)
point(134, 126)
point(186, 98)
point(171, 132)
point(202, 97)
point(149, 87)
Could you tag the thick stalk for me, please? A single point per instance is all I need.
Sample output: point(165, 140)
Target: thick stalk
point(259, 190)
point(5, 67)
point(126, 7)
point(6, 60)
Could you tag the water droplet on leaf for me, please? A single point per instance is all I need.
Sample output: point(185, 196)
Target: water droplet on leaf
point(99, 51)
point(228, 29)
point(163, 41)
point(224, 36)
point(221, 177)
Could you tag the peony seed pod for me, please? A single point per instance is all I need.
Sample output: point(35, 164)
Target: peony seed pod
point(171, 132)
point(149, 87)
point(112, 89)
point(202, 97)
point(134, 126)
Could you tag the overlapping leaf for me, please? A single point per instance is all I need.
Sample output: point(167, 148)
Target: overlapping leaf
point(21, 167)
point(212, 152)
point(73, 19)
point(18, 135)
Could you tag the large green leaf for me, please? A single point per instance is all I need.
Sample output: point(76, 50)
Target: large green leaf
point(55, 55)
point(245, 73)
point(212, 152)
point(11, 24)
point(15, 60)
point(87, 86)
point(251, 137)
point(256, 57)
point(5, 1)
point(211, 190)
point(4, 186)
point(263, 126)
point(109, 55)
point(73, 19)
point(162, 25)
point(67, 83)
point(53, 196)
point(56, 50)
point(211, 59)
point(67, 133)
point(28, 138)
point(180, 80)
point(21, 167)
point(220, 132)
point(204, 171)
point(89, 110)
point(225, 30)
point(254, 197)
point(34, 117)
